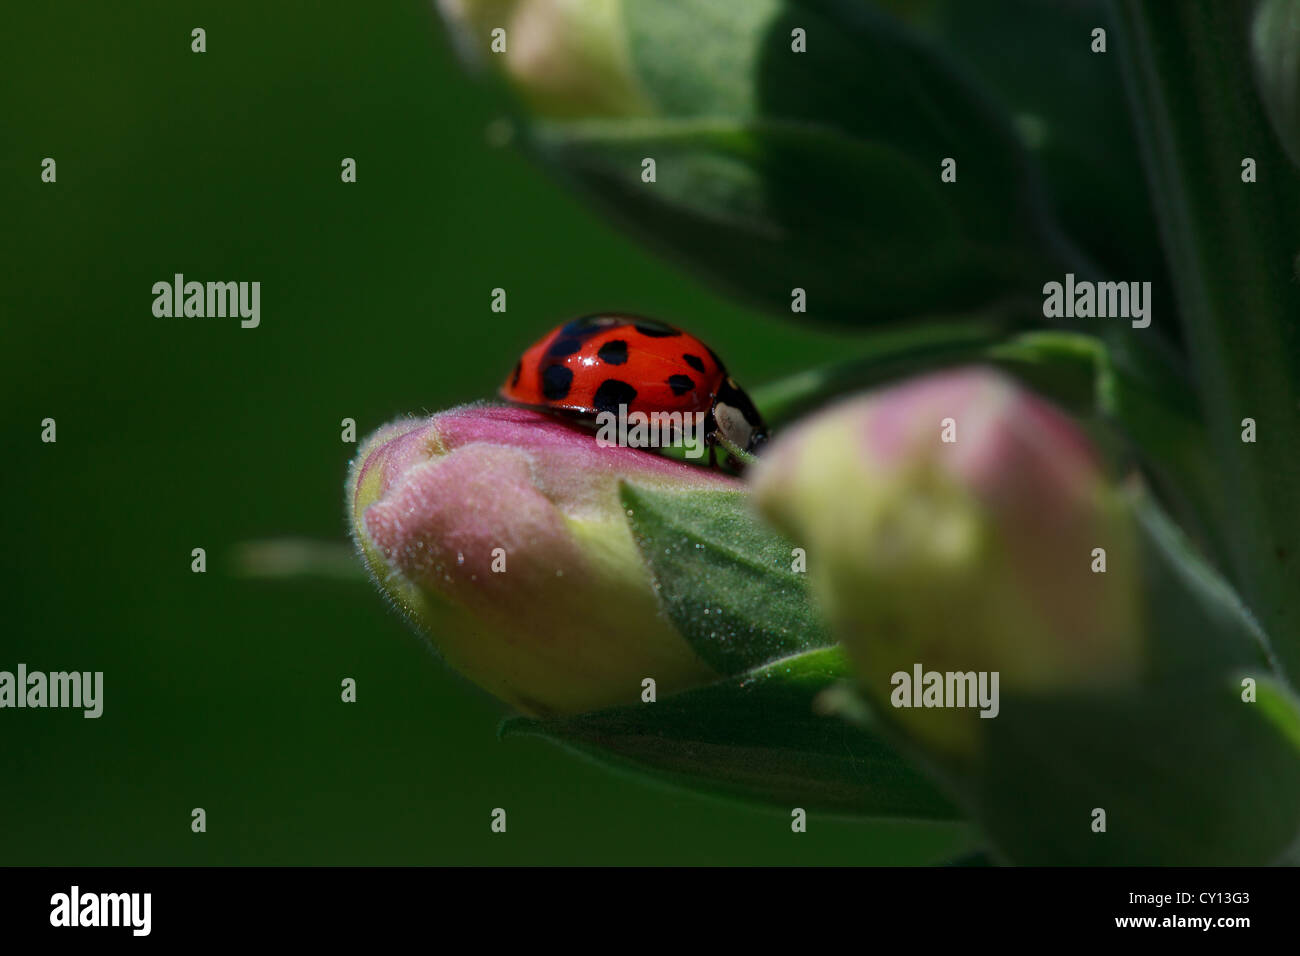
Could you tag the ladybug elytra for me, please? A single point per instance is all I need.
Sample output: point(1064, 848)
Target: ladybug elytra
point(598, 363)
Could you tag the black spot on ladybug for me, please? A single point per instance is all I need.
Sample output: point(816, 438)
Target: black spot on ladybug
point(680, 384)
point(611, 394)
point(555, 382)
point(654, 330)
point(564, 346)
point(519, 369)
point(613, 352)
point(694, 361)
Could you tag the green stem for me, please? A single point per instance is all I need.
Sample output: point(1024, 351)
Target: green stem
point(298, 558)
point(885, 357)
point(1230, 246)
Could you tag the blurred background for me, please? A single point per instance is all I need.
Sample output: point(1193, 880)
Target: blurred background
point(220, 691)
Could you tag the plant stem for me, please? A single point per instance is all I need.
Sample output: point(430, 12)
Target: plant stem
point(1231, 246)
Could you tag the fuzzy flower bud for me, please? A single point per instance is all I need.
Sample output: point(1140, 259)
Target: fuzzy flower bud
point(566, 58)
point(958, 523)
point(500, 534)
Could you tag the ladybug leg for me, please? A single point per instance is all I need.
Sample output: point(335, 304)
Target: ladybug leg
point(711, 438)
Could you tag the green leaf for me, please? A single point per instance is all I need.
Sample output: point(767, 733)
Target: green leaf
point(1187, 774)
point(821, 171)
point(1280, 707)
point(767, 206)
point(724, 577)
point(1069, 108)
point(1197, 626)
point(1232, 247)
point(755, 736)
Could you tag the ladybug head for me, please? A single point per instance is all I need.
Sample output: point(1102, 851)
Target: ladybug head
point(736, 420)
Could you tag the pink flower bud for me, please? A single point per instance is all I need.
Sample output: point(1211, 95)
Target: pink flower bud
point(500, 534)
point(958, 522)
point(566, 59)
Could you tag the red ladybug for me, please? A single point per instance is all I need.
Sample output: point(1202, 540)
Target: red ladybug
point(599, 362)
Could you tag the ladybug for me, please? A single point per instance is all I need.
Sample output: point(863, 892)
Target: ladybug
point(597, 363)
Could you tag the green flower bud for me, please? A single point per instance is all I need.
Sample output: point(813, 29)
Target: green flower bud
point(956, 523)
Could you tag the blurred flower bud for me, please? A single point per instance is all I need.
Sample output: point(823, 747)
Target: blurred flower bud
point(564, 58)
point(499, 533)
point(952, 525)
point(1275, 49)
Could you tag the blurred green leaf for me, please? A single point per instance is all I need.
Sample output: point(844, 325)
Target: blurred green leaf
point(755, 736)
point(1198, 626)
point(1281, 708)
point(769, 207)
point(1275, 50)
point(778, 170)
point(1232, 247)
point(1188, 774)
point(724, 577)
point(1070, 111)
point(1186, 771)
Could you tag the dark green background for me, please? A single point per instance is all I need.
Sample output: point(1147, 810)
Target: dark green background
point(223, 692)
